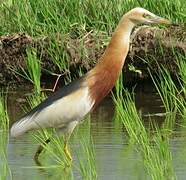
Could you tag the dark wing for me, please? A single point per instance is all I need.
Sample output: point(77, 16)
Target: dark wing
point(60, 93)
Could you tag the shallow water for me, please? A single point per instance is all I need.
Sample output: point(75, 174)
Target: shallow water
point(115, 159)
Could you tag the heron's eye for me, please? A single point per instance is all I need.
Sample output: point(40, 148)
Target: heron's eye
point(147, 16)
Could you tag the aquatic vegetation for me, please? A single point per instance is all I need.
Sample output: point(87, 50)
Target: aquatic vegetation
point(4, 138)
point(53, 151)
point(4, 123)
point(154, 145)
point(181, 61)
point(181, 94)
point(154, 148)
point(86, 163)
point(172, 89)
point(167, 91)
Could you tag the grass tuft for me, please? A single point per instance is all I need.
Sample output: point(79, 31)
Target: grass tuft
point(4, 138)
point(154, 149)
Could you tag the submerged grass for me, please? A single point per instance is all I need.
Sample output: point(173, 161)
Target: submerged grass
point(4, 138)
point(182, 72)
point(54, 150)
point(154, 148)
point(172, 90)
point(181, 61)
point(4, 125)
point(87, 161)
point(86, 151)
point(167, 91)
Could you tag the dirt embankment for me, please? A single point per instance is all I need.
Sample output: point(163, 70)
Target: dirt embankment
point(149, 46)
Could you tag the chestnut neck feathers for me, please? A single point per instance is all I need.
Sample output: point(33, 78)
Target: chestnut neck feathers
point(102, 77)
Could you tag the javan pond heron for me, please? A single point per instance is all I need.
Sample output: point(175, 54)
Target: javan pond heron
point(65, 108)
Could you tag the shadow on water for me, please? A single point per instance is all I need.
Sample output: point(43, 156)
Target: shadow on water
point(115, 157)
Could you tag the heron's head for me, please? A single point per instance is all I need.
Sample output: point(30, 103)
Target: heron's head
point(142, 16)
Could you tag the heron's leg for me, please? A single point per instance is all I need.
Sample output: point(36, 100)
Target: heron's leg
point(39, 150)
point(67, 131)
point(66, 150)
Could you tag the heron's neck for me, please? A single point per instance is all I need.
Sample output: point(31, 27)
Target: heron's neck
point(102, 78)
point(118, 47)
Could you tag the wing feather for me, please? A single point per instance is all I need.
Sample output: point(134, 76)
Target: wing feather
point(67, 104)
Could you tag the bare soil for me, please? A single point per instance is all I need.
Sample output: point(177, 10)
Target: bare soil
point(150, 46)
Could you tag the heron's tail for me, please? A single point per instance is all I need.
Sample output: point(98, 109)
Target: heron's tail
point(22, 126)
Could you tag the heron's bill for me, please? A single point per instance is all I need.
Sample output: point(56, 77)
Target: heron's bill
point(161, 20)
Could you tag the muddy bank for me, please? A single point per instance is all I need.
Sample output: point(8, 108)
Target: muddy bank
point(149, 46)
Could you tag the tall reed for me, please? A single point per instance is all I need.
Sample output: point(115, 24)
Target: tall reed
point(154, 148)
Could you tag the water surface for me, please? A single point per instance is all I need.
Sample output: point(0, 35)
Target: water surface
point(114, 157)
